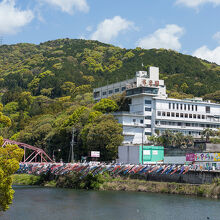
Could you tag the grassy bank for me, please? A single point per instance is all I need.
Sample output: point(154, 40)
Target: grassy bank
point(31, 180)
point(204, 190)
point(105, 182)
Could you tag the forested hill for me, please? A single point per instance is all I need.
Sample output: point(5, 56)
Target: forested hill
point(43, 69)
point(46, 91)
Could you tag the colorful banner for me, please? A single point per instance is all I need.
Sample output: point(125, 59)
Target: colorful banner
point(206, 157)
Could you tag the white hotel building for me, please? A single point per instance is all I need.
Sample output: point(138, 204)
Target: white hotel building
point(151, 111)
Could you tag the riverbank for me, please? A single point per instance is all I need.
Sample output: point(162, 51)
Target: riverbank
point(105, 182)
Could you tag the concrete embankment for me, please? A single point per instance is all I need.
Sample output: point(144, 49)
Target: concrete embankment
point(191, 177)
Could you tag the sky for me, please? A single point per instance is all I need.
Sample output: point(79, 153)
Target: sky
point(187, 26)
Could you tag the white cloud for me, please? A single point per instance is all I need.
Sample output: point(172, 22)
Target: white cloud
point(111, 28)
point(196, 3)
point(167, 38)
point(89, 28)
point(211, 55)
point(12, 18)
point(70, 6)
point(216, 36)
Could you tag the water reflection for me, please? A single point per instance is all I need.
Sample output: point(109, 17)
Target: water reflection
point(62, 204)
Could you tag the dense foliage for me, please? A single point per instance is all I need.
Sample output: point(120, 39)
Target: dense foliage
point(10, 155)
point(46, 91)
point(179, 140)
point(57, 68)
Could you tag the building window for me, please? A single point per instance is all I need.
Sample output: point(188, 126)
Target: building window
point(173, 105)
point(110, 92)
point(168, 114)
point(184, 106)
point(157, 122)
point(186, 115)
point(104, 93)
point(177, 115)
point(181, 106)
point(134, 120)
point(147, 133)
point(203, 116)
point(169, 105)
point(147, 102)
point(147, 109)
point(117, 90)
point(173, 114)
point(163, 113)
point(188, 124)
point(141, 121)
point(179, 124)
point(177, 106)
point(192, 107)
point(158, 113)
point(194, 116)
point(181, 115)
point(123, 88)
point(207, 109)
point(148, 117)
point(96, 94)
point(199, 116)
point(196, 107)
point(190, 115)
point(188, 107)
point(148, 126)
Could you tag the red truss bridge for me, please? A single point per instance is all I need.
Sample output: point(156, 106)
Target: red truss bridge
point(34, 155)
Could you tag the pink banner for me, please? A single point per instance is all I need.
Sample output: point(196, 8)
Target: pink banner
point(190, 157)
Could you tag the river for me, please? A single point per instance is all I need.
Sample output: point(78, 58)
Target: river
point(36, 203)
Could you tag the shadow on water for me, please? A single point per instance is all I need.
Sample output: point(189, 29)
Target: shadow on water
point(62, 204)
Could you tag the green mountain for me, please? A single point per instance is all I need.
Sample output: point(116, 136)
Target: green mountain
point(46, 90)
point(72, 60)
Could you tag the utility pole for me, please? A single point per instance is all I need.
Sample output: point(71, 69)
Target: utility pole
point(72, 143)
point(142, 142)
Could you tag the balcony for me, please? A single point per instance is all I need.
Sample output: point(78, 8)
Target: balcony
point(142, 90)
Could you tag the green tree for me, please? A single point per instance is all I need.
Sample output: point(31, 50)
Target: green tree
point(104, 134)
point(208, 133)
point(10, 155)
point(106, 106)
point(184, 87)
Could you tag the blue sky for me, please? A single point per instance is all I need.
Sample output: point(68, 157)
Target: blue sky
point(188, 26)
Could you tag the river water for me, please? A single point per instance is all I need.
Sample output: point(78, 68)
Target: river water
point(35, 203)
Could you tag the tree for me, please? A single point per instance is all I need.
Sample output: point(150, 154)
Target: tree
point(208, 133)
point(25, 100)
point(106, 106)
point(104, 134)
point(10, 155)
point(184, 87)
point(170, 139)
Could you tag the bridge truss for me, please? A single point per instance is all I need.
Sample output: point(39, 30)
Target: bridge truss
point(35, 155)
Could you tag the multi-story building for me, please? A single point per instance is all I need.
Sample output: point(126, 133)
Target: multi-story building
point(152, 112)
